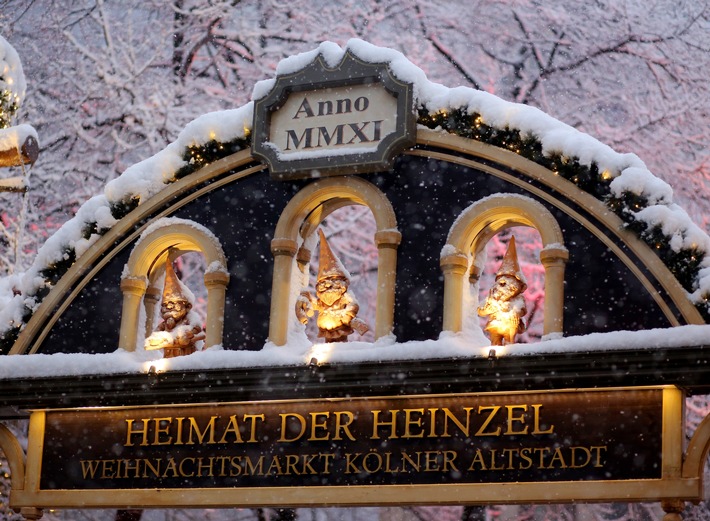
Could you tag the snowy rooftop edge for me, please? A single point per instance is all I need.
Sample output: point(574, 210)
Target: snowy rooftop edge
point(449, 346)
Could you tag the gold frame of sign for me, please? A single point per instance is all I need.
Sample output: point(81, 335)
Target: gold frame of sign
point(679, 477)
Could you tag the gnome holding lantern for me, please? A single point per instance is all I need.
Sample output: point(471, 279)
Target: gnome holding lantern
point(505, 305)
point(178, 332)
point(337, 307)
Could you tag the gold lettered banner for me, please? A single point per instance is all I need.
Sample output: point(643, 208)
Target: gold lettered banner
point(472, 438)
point(362, 450)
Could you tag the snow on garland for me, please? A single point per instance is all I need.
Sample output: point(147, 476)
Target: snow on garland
point(621, 181)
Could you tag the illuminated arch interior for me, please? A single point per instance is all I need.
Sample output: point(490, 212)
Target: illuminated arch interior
point(147, 263)
point(301, 218)
point(469, 235)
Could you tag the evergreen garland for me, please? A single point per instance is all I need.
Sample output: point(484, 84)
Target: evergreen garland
point(198, 156)
point(9, 105)
point(89, 229)
point(683, 264)
point(119, 209)
point(54, 271)
point(8, 339)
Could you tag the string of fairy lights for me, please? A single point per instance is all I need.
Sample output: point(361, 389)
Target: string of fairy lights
point(9, 105)
point(684, 263)
point(12, 83)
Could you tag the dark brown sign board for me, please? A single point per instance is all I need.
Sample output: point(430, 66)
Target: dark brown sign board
point(322, 120)
point(456, 448)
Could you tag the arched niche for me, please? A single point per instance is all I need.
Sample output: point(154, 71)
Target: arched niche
point(469, 235)
point(171, 238)
point(301, 217)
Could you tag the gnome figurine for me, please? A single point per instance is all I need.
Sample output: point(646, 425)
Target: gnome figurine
point(337, 307)
point(178, 332)
point(505, 305)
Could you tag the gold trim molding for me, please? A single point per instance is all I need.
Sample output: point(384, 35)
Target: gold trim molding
point(15, 456)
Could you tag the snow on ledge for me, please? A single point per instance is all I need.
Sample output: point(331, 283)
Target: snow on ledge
point(449, 346)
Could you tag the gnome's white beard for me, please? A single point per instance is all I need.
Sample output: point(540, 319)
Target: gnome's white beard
point(330, 297)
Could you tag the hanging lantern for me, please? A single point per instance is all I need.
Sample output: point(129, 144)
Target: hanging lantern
point(18, 144)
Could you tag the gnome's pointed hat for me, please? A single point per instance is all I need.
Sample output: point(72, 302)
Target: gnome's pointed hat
point(330, 266)
point(173, 287)
point(510, 265)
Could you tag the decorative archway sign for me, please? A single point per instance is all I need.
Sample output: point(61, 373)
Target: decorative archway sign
point(429, 412)
point(613, 444)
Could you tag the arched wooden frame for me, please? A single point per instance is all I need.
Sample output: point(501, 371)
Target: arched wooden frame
point(302, 215)
point(147, 261)
point(469, 235)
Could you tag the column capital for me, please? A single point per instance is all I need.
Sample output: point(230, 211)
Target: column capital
point(454, 263)
point(31, 512)
point(284, 247)
point(216, 278)
point(554, 255)
point(134, 285)
point(153, 293)
point(388, 238)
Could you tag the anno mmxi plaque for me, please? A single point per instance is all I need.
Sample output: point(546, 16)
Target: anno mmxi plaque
point(320, 121)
